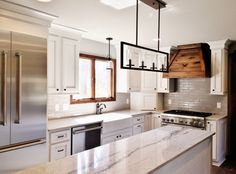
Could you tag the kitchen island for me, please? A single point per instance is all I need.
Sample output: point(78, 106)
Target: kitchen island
point(166, 150)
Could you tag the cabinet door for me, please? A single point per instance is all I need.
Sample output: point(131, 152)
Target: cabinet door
point(156, 121)
point(134, 77)
point(212, 126)
point(147, 122)
point(54, 64)
point(218, 69)
point(149, 101)
point(70, 65)
point(148, 79)
point(59, 151)
point(162, 83)
point(138, 129)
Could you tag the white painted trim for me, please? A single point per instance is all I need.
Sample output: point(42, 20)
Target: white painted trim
point(63, 31)
point(219, 44)
point(25, 14)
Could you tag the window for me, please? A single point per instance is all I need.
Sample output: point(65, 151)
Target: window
point(96, 82)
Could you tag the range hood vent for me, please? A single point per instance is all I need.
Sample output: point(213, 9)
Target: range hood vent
point(190, 61)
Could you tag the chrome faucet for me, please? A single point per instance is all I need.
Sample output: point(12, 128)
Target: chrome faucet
point(100, 107)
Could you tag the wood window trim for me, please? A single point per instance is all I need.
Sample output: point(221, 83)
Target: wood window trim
point(113, 82)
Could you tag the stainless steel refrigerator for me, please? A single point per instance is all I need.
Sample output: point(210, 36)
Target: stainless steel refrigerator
point(23, 90)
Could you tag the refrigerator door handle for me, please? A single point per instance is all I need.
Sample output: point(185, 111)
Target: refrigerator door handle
point(4, 89)
point(19, 92)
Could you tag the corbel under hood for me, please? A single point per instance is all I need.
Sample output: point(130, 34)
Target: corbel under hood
point(190, 61)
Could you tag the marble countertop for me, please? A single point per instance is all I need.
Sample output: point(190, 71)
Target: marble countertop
point(62, 123)
point(216, 117)
point(138, 154)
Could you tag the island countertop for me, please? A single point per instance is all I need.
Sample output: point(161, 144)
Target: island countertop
point(139, 154)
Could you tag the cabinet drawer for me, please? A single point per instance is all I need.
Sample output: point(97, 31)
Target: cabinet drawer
point(59, 151)
point(61, 136)
point(138, 128)
point(108, 138)
point(138, 119)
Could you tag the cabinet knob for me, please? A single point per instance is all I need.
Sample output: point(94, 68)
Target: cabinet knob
point(213, 89)
point(64, 89)
point(165, 88)
point(57, 89)
point(129, 88)
point(155, 88)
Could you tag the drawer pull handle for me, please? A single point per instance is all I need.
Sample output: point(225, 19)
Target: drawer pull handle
point(120, 136)
point(60, 136)
point(139, 126)
point(61, 150)
point(138, 119)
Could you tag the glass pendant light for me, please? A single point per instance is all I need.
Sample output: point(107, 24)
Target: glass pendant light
point(109, 61)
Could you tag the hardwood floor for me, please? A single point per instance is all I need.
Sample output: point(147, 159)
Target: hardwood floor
point(229, 167)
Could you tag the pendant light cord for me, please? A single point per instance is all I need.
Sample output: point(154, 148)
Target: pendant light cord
point(109, 51)
point(159, 23)
point(137, 22)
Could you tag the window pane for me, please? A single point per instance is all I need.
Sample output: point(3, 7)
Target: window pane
point(103, 79)
point(85, 74)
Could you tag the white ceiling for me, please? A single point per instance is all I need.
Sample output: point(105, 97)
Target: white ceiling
point(183, 21)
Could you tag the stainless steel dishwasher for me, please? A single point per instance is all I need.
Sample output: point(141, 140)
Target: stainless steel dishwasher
point(86, 137)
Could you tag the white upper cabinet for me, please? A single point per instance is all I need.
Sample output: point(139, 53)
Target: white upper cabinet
point(164, 85)
point(70, 65)
point(134, 76)
point(151, 101)
point(148, 79)
point(63, 62)
point(54, 64)
point(128, 80)
point(219, 61)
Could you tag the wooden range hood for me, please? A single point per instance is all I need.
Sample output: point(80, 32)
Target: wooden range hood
point(190, 61)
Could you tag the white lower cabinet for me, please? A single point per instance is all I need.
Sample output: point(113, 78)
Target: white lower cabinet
point(148, 122)
point(59, 144)
point(59, 151)
point(219, 140)
point(138, 124)
point(115, 136)
point(156, 121)
point(138, 129)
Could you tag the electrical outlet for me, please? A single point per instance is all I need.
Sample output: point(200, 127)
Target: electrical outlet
point(57, 107)
point(218, 105)
point(169, 101)
point(65, 107)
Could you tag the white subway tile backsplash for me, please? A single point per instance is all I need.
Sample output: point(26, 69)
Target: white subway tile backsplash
point(68, 110)
point(194, 94)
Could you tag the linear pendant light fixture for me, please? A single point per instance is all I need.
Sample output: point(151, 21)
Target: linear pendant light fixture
point(135, 57)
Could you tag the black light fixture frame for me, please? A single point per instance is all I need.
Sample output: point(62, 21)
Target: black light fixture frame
point(156, 4)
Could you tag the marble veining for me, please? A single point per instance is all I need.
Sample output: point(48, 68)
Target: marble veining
point(138, 154)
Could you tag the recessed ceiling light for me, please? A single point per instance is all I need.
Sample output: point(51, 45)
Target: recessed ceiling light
point(44, 0)
point(119, 4)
